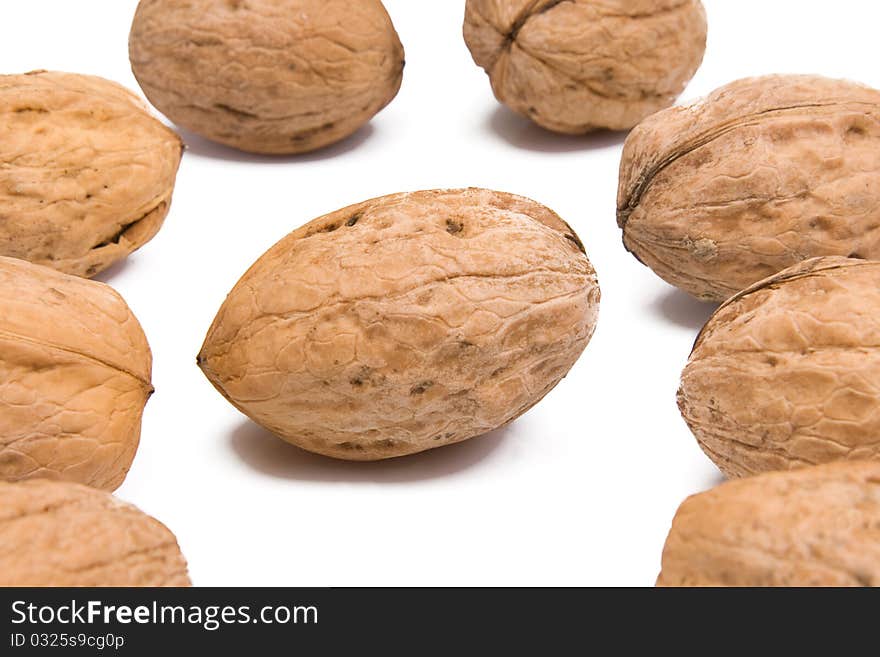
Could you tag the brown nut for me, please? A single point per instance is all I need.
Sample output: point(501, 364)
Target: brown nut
point(762, 174)
point(267, 76)
point(787, 373)
point(573, 66)
point(86, 173)
point(814, 527)
point(64, 534)
point(405, 323)
point(74, 378)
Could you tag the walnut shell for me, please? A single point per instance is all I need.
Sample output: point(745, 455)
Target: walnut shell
point(267, 76)
point(86, 173)
point(64, 534)
point(405, 323)
point(573, 66)
point(74, 378)
point(814, 527)
point(787, 373)
point(762, 174)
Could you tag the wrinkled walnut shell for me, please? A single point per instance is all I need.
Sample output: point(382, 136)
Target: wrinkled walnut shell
point(267, 76)
point(86, 172)
point(787, 373)
point(405, 323)
point(763, 173)
point(573, 66)
point(64, 534)
point(813, 527)
point(74, 378)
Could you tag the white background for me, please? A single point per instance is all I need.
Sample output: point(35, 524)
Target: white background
point(581, 490)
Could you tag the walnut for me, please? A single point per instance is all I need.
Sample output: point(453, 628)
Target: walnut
point(573, 66)
point(405, 323)
point(267, 76)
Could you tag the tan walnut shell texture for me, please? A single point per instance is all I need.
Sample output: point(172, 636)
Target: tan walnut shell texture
point(405, 323)
point(74, 378)
point(267, 76)
point(763, 173)
point(573, 66)
point(86, 173)
point(64, 534)
point(787, 373)
point(814, 527)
